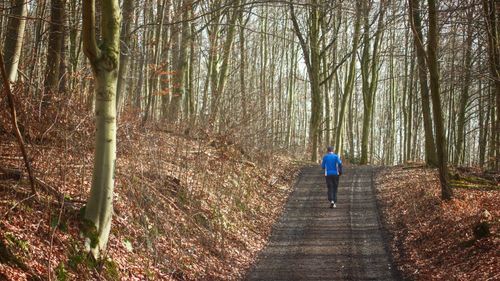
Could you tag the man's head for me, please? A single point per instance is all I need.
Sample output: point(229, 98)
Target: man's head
point(329, 149)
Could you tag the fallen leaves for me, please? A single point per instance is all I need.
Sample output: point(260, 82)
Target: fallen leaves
point(433, 239)
point(184, 208)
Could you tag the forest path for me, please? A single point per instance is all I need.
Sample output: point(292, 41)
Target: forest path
point(313, 242)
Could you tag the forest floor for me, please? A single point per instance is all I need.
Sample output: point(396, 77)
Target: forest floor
point(186, 207)
point(201, 207)
point(433, 239)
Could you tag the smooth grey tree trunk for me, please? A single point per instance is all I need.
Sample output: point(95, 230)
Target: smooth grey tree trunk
point(128, 14)
point(104, 60)
point(14, 37)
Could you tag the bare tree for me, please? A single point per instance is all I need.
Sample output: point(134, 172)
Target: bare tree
point(14, 37)
point(104, 60)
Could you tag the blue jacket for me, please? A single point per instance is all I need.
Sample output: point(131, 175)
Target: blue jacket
point(331, 164)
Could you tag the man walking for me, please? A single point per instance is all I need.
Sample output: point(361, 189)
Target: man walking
point(333, 169)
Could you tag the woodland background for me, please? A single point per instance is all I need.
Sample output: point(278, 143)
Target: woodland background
point(238, 67)
point(214, 100)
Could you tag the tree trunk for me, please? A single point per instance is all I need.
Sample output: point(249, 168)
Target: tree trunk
point(464, 96)
point(190, 91)
point(63, 61)
point(14, 37)
point(312, 60)
point(491, 114)
point(264, 53)
point(75, 43)
point(242, 23)
point(367, 106)
point(225, 62)
point(349, 84)
point(369, 73)
point(144, 88)
point(350, 128)
point(483, 125)
point(54, 48)
point(104, 60)
point(128, 14)
point(179, 50)
point(432, 48)
point(407, 102)
point(491, 10)
point(157, 53)
point(291, 95)
point(415, 23)
point(451, 98)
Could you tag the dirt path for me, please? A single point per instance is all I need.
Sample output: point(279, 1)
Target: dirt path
point(313, 242)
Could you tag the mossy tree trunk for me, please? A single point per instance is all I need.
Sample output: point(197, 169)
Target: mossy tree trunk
point(104, 60)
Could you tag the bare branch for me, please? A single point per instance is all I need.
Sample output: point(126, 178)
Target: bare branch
point(88, 31)
point(302, 41)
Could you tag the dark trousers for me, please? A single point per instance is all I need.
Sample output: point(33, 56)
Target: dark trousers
point(332, 182)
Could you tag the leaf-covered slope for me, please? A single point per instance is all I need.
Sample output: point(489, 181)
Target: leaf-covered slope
point(440, 240)
point(185, 207)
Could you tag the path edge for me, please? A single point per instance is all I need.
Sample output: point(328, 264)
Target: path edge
point(284, 210)
point(387, 237)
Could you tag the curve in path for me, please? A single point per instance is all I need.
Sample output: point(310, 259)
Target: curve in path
point(313, 242)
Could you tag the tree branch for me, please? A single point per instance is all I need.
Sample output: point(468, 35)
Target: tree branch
point(303, 44)
point(342, 61)
point(19, 137)
point(88, 31)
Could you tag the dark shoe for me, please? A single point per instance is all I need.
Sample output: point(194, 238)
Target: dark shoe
point(331, 205)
